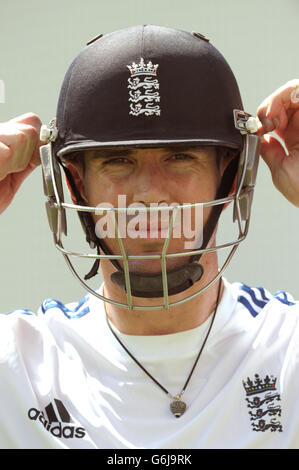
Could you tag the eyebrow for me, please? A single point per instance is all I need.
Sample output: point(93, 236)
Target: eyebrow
point(126, 152)
point(113, 152)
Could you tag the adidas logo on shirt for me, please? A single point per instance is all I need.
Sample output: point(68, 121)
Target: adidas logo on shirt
point(59, 427)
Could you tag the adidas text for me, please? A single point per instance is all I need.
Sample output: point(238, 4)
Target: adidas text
point(57, 429)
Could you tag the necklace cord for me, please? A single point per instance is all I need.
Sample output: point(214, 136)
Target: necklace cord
point(134, 358)
point(197, 358)
point(205, 340)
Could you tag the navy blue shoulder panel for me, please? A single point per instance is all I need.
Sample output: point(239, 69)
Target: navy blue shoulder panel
point(255, 298)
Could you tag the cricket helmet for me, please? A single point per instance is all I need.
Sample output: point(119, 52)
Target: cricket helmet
point(150, 86)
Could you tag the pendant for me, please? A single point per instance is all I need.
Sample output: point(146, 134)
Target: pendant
point(178, 407)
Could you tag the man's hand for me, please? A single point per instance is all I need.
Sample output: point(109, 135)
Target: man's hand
point(280, 113)
point(19, 154)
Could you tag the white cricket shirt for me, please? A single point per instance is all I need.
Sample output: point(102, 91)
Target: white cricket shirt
point(65, 382)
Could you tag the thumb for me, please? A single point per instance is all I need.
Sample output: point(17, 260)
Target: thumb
point(33, 120)
point(35, 160)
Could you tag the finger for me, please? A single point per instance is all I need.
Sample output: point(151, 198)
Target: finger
point(35, 160)
point(273, 154)
point(32, 120)
point(285, 96)
point(5, 157)
point(23, 145)
point(274, 120)
point(23, 141)
point(264, 126)
point(273, 111)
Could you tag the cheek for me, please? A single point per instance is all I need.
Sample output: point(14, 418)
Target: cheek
point(99, 189)
point(195, 187)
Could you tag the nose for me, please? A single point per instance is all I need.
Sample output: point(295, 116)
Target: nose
point(150, 185)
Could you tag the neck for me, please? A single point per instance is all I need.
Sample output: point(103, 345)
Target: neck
point(178, 318)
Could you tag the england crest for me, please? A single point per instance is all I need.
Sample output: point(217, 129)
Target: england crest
point(262, 398)
point(143, 85)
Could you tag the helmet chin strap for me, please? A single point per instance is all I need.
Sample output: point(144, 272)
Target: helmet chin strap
point(150, 285)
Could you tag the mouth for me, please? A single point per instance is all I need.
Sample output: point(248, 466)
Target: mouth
point(152, 234)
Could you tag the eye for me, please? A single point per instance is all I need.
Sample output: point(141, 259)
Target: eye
point(117, 161)
point(181, 157)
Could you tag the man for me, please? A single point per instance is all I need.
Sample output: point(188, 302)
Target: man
point(175, 357)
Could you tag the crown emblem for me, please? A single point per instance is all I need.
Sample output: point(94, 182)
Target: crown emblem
point(143, 68)
point(143, 85)
point(258, 385)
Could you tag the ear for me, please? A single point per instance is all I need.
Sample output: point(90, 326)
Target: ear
point(232, 191)
point(234, 186)
point(77, 173)
point(224, 162)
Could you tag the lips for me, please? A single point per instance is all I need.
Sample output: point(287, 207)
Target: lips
point(153, 233)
